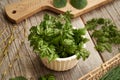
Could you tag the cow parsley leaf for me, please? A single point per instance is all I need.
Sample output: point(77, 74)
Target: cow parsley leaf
point(55, 37)
point(78, 4)
point(105, 32)
point(47, 77)
point(59, 3)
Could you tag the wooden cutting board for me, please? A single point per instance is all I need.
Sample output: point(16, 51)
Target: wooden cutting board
point(19, 11)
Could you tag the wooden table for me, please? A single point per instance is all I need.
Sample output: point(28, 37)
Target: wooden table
point(18, 59)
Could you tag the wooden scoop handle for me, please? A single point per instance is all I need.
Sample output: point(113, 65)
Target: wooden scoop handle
point(17, 12)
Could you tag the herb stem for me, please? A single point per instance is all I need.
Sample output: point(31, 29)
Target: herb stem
point(15, 58)
point(5, 51)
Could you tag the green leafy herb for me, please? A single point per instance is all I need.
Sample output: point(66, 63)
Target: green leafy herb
point(79, 4)
point(47, 77)
point(113, 74)
point(105, 32)
point(18, 78)
point(59, 3)
point(55, 37)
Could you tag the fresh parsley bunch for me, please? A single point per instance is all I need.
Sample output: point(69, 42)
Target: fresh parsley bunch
point(55, 37)
point(105, 32)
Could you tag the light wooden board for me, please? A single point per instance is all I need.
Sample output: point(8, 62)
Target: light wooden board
point(19, 11)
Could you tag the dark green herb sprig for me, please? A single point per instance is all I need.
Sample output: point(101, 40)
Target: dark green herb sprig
point(18, 78)
point(113, 74)
point(55, 37)
point(44, 77)
point(59, 3)
point(47, 77)
point(78, 4)
point(105, 32)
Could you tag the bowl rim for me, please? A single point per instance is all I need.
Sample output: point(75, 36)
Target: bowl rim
point(67, 58)
point(70, 57)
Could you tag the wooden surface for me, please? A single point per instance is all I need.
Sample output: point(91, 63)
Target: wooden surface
point(25, 8)
point(97, 73)
point(18, 59)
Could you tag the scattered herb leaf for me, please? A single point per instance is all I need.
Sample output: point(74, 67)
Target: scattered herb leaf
point(105, 32)
point(18, 78)
point(59, 3)
point(78, 4)
point(47, 77)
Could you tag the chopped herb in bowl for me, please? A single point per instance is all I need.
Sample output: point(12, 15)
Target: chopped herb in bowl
point(56, 38)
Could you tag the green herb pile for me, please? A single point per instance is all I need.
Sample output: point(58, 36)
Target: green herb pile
point(78, 4)
point(113, 74)
point(55, 37)
point(45, 77)
point(105, 32)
